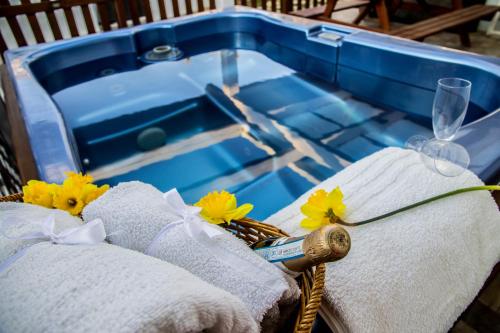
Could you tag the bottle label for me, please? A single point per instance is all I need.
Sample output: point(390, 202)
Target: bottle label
point(282, 249)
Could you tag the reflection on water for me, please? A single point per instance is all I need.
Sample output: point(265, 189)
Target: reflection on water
point(232, 120)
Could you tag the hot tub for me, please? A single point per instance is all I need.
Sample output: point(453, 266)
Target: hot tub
point(260, 104)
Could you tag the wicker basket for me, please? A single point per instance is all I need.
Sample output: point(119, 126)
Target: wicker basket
point(311, 281)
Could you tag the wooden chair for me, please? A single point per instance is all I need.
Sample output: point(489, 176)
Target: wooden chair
point(457, 20)
point(108, 14)
point(325, 12)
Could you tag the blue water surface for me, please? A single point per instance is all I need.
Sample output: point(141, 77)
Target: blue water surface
point(233, 120)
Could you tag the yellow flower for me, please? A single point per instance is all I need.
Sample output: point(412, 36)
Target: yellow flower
point(220, 207)
point(69, 198)
point(322, 208)
point(76, 191)
point(77, 179)
point(90, 192)
point(39, 193)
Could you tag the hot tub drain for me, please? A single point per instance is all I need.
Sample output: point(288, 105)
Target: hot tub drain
point(163, 52)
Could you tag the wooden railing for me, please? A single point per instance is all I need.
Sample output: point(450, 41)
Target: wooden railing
point(61, 19)
point(28, 23)
point(30, 10)
point(282, 6)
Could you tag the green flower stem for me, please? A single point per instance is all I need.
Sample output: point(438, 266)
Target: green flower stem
point(420, 203)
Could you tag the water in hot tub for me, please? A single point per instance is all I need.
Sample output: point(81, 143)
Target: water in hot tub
point(233, 120)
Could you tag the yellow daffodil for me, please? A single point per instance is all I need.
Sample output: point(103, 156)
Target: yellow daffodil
point(69, 198)
point(77, 179)
point(323, 208)
point(221, 207)
point(39, 193)
point(90, 192)
point(76, 191)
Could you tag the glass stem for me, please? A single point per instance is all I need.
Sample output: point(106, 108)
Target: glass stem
point(420, 203)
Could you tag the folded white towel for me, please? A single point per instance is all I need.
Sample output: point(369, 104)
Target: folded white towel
point(105, 288)
point(416, 271)
point(134, 213)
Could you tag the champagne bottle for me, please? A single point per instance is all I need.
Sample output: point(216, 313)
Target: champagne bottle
point(296, 254)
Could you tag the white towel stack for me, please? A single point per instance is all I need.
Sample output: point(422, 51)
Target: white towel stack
point(104, 288)
point(134, 213)
point(416, 271)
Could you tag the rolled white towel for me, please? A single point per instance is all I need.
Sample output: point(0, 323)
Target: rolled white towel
point(413, 272)
point(104, 288)
point(135, 213)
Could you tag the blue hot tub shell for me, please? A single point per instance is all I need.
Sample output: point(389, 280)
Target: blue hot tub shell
point(398, 74)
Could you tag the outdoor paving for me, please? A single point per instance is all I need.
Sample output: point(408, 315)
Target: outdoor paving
point(481, 43)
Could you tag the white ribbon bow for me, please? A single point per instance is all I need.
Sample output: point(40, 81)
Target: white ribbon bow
point(189, 217)
point(90, 233)
point(203, 232)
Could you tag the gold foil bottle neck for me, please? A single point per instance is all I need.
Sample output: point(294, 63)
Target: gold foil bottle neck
point(329, 243)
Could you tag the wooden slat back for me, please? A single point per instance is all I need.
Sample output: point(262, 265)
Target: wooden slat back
point(163, 9)
point(128, 9)
point(147, 11)
point(88, 19)
point(286, 6)
point(49, 8)
point(35, 27)
point(14, 27)
point(189, 8)
point(54, 26)
point(175, 6)
point(16, 31)
point(283, 6)
point(70, 19)
point(134, 12)
point(102, 9)
point(270, 5)
point(201, 6)
point(121, 11)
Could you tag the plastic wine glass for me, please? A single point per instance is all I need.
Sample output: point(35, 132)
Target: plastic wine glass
point(448, 112)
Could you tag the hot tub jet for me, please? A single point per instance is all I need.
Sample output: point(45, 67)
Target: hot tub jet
point(163, 53)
